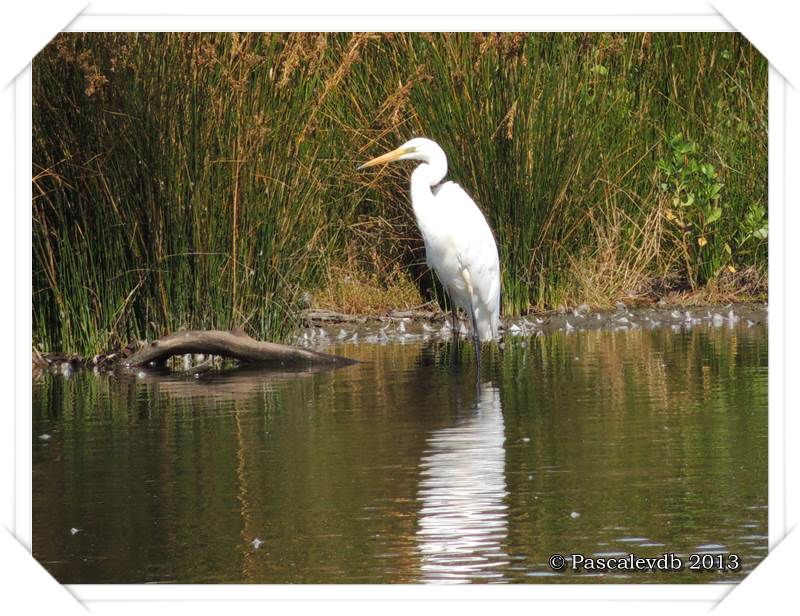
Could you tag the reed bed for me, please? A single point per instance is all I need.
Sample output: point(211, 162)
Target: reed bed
point(208, 180)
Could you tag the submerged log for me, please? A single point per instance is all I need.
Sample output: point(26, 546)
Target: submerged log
point(232, 344)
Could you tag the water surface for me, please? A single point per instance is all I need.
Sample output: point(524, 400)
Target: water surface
point(409, 467)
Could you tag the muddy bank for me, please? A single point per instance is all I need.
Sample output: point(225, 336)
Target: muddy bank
point(324, 330)
point(327, 329)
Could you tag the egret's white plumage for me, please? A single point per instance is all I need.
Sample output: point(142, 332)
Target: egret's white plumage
point(459, 245)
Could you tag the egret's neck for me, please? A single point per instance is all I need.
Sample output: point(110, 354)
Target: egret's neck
point(428, 174)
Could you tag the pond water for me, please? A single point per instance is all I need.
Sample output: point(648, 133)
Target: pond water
point(411, 467)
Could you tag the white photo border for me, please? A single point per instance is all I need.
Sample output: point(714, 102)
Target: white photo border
point(700, 22)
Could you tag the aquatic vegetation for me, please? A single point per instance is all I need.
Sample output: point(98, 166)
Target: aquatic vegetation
point(202, 180)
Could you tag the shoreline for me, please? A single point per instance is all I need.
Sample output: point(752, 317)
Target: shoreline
point(325, 329)
point(417, 326)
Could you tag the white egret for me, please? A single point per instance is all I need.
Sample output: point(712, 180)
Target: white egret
point(459, 245)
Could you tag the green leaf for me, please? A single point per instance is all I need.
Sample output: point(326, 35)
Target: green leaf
point(599, 69)
point(714, 215)
point(664, 166)
point(708, 171)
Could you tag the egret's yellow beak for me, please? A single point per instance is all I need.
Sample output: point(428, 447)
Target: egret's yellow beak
point(386, 158)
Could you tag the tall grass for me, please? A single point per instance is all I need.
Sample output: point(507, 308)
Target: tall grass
point(208, 180)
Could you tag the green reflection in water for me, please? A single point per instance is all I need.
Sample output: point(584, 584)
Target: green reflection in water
point(399, 470)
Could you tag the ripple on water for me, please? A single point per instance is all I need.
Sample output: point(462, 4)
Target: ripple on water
point(398, 469)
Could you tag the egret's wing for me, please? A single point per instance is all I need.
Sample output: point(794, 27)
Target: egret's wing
point(473, 240)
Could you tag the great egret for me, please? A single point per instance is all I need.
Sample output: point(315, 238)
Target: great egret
point(459, 245)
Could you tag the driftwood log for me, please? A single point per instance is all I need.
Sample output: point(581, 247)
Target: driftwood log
point(232, 344)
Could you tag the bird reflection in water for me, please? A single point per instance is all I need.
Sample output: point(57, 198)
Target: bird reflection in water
point(463, 521)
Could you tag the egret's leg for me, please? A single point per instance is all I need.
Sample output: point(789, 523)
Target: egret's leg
point(476, 339)
point(453, 322)
point(468, 281)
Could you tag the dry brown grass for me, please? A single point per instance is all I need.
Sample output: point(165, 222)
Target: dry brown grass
point(352, 290)
point(625, 252)
point(746, 285)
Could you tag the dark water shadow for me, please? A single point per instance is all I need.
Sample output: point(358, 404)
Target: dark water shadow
point(232, 383)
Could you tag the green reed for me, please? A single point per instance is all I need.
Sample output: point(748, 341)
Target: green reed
point(208, 180)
